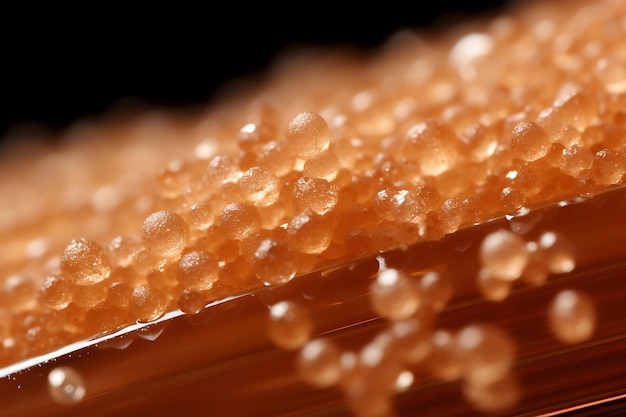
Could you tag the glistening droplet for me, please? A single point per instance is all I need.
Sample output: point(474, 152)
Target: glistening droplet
point(66, 386)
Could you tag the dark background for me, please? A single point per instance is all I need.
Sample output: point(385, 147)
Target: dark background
point(57, 66)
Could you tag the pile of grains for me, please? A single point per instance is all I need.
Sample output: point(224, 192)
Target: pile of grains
point(333, 156)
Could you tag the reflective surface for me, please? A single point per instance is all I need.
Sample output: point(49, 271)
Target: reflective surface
point(221, 361)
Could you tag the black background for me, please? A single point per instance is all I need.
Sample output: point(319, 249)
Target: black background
point(58, 66)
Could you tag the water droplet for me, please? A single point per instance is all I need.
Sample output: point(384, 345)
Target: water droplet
point(66, 386)
point(319, 363)
point(435, 287)
point(191, 302)
point(444, 359)
point(274, 262)
point(496, 398)
point(493, 288)
point(572, 316)
point(504, 255)
point(557, 252)
point(487, 353)
point(290, 325)
point(147, 303)
point(393, 295)
point(404, 381)
point(118, 342)
point(411, 338)
point(151, 332)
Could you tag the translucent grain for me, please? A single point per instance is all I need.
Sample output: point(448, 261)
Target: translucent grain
point(55, 292)
point(191, 301)
point(84, 262)
point(310, 234)
point(260, 186)
point(237, 221)
point(324, 165)
point(434, 145)
point(164, 233)
point(308, 135)
point(314, 195)
point(274, 262)
point(147, 303)
point(529, 141)
point(197, 270)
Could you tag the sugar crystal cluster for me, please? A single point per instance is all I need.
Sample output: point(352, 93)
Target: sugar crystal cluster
point(335, 155)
